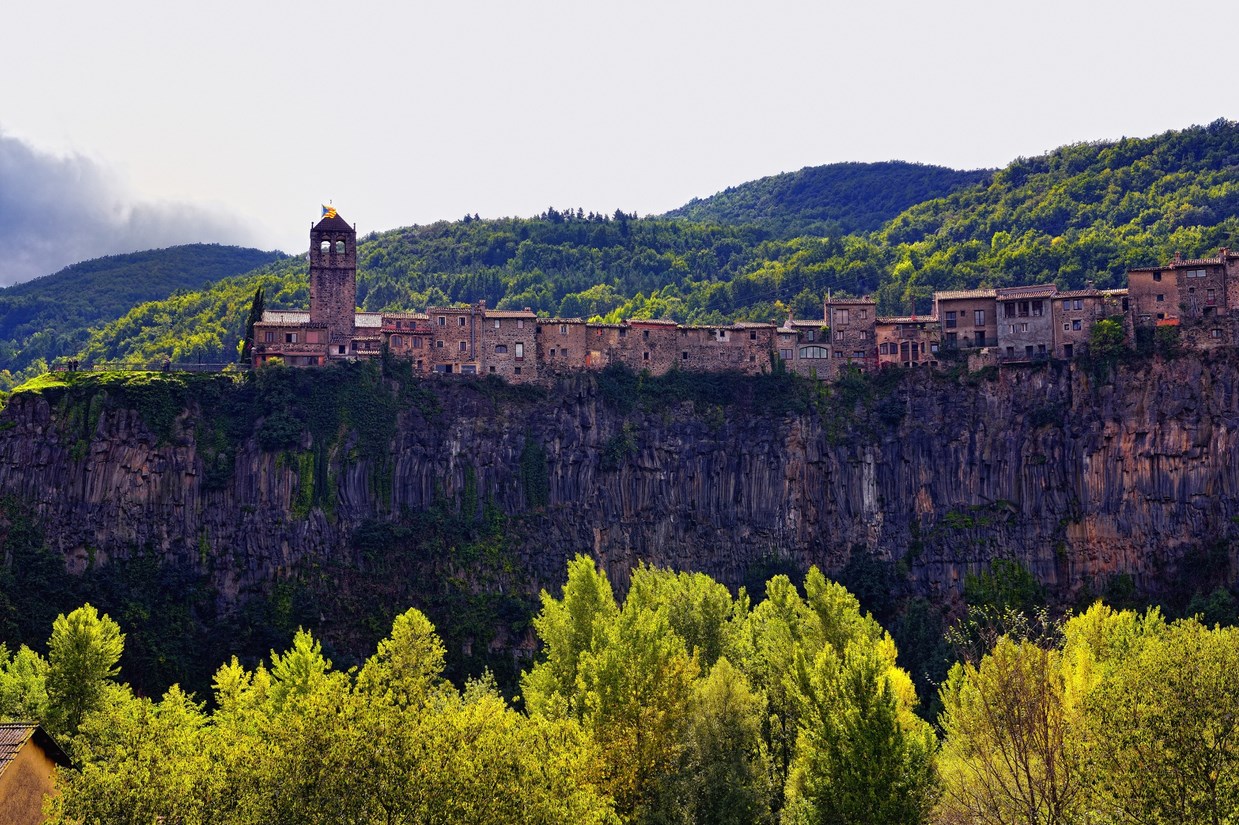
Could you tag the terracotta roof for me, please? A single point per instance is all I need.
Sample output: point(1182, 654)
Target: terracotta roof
point(559, 320)
point(961, 294)
point(909, 319)
point(662, 322)
point(14, 735)
point(1079, 293)
point(285, 316)
point(368, 319)
point(510, 313)
point(849, 301)
point(1033, 291)
point(1116, 293)
point(760, 325)
point(589, 324)
point(416, 316)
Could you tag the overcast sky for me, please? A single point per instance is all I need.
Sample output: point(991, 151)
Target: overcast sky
point(131, 124)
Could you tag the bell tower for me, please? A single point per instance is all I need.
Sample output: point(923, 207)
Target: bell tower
point(333, 280)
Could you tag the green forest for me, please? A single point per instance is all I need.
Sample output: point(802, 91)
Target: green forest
point(679, 703)
point(1081, 214)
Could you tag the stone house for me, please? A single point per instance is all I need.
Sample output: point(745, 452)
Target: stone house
point(910, 341)
point(1195, 290)
point(507, 343)
point(852, 332)
point(28, 761)
point(408, 335)
point(1025, 322)
point(969, 318)
point(562, 344)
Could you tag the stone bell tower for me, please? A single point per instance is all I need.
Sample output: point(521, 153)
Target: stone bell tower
point(333, 281)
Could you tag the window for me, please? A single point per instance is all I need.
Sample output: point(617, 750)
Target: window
point(839, 336)
point(563, 329)
point(1160, 298)
point(1078, 303)
point(1010, 352)
point(810, 335)
point(1215, 333)
point(815, 352)
point(934, 348)
point(684, 355)
point(882, 350)
point(1196, 273)
point(552, 352)
point(520, 323)
point(1210, 296)
point(645, 334)
point(397, 341)
point(950, 339)
point(753, 335)
point(980, 342)
point(1024, 326)
point(520, 350)
point(1068, 350)
point(341, 349)
point(838, 353)
point(464, 346)
point(324, 247)
point(1077, 324)
point(492, 369)
point(461, 319)
point(417, 343)
point(950, 320)
point(645, 356)
point(439, 344)
point(517, 370)
point(1008, 309)
point(978, 317)
point(862, 313)
point(442, 320)
point(501, 349)
point(468, 369)
point(496, 323)
point(1041, 350)
point(1066, 327)
point(841, 315)
point(1066, 304)
point(1028, 351)
point(1012, 327)
point(269, 337)
point(858, 353)
point(290, 338)
point(339, 247)
point(785, 354)
point(623, 332)
point(1038, 308)
point(1157, 276)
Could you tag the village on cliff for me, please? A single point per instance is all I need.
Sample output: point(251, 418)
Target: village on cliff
point(1007, 325)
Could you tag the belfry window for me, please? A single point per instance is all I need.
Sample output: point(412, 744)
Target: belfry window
point(324, 247)
point(339, 247)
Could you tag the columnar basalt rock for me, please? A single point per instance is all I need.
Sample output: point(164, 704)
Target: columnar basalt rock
point(1078, 478)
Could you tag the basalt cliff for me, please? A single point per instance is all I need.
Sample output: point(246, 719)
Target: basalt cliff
point(1081, 473)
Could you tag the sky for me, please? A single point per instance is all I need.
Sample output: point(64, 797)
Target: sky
point(130, 125)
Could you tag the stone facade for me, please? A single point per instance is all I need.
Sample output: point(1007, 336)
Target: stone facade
point(509, 344)
point(1025, 323)
point(852, 325)
point(908, 342)
point(969, 318)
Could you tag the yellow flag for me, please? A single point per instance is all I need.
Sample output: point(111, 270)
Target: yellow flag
point(329, 211)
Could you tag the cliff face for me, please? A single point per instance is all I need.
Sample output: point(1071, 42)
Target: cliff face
point(1077, 478)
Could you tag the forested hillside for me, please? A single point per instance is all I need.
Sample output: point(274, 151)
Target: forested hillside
point(1081, 214)
point(837, 199)
point(51, 316)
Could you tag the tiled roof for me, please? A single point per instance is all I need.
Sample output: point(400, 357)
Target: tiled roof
point(404, 316)
point(602, 326)
point(14, 735)
point(556, 320)
point(510, 313)
point(962, 294)
point(1079, 293)
point(909, 319)
point(1114, 293)
point(1033, 291)
point(662, 322)
point(759, 324)
point(286, 316)
point(834, 302)
point(368, 319)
